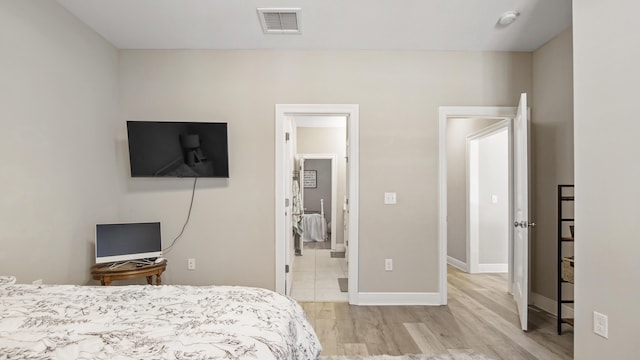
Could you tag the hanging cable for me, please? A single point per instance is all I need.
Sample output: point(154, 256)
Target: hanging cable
point(193, 193)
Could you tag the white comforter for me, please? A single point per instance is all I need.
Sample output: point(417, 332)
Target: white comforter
point(314, 227)
point(152, 322)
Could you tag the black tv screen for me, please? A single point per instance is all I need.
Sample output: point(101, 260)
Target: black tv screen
point(123, 242)
point(178, 149)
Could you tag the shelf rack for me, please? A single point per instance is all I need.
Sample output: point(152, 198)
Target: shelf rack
point(565, 196)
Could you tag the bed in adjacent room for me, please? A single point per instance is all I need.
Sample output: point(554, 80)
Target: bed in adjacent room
point(152, 322)
point(314, 225)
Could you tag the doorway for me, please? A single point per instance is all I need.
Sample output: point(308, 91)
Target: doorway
point(322, 183)
point(488, 199)
point(518, 253)
point(454, 189)
point(319, 269)
point(285, 250)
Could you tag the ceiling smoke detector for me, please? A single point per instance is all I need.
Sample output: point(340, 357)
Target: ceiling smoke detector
point(508, 17)
point(280, 21)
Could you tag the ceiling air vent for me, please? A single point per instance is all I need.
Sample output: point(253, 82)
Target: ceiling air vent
point(280, 21)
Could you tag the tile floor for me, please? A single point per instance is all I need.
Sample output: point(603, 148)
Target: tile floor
point(315, 276)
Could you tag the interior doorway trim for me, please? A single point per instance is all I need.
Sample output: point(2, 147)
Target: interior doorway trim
point(351, 111)
point(446, 112)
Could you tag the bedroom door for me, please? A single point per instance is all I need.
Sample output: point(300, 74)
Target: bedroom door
point(301, 172)
point(289, 155)
point(521, 210)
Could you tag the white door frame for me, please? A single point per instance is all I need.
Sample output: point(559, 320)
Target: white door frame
point(446, 112)
point(473, 241)
point(334, 188)
point(289, 164)
point(352, 112)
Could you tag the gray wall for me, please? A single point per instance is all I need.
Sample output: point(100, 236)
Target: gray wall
point(552, 152)
point(607, 176)
point(399, 155)
point(312, 196)
point(60, 116)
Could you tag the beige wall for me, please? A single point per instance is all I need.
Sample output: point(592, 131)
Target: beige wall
point(328, 140)
point(493, 180)
point(232, 225)
point(552, 152)
point(606, 75)
point(59, 111)
point(457, 131)
point(64, 126)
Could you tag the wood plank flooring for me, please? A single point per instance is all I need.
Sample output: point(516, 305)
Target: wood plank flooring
point(481, 316)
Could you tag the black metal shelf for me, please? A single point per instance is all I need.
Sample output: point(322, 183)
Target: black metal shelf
point(562, 198)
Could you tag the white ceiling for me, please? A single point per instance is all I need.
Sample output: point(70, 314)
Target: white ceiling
point(459, 25)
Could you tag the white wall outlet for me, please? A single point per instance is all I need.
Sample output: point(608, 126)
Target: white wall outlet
point(37, 282)
point(601, 324)
point(191, 264)
point(388, 264)
point(390, 198)
point(494, 199)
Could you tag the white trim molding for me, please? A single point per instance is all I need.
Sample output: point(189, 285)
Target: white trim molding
point(457, 264)
point(493, 268)
point(551, 306)
point(398, 298)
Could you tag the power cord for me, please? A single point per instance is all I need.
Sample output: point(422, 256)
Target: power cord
point(193, 193)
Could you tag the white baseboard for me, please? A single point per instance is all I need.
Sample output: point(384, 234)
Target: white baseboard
point(421, 298)
point(457, 263)
point(551, 306)
point(493, 268)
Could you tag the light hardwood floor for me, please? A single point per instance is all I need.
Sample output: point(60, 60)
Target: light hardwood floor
point(481, 316)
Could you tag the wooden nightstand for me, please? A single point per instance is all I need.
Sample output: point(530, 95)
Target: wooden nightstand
point(106, 275)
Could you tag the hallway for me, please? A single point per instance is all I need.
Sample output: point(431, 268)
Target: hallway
point(315, 276)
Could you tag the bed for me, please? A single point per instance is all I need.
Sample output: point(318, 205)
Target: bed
point(152, 322)
point(314, 225)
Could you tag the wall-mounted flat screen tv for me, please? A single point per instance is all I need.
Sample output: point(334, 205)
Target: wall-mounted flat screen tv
point(178, 149)
point(125, 242)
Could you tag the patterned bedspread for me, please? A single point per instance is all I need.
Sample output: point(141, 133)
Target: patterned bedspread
point(152, 322)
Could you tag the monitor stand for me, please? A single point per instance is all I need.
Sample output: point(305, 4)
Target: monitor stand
point(141, 262)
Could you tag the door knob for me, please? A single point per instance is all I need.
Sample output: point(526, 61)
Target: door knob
point(523, 224)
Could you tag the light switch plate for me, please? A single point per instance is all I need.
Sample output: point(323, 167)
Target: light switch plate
point(388, 264)
point(601, 324)
point(390, 198)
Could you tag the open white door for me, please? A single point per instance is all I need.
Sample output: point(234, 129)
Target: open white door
point(345, 205)
point(301, 172)
point(289, 150)
point(521, 210)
